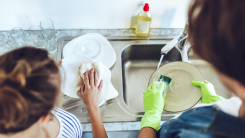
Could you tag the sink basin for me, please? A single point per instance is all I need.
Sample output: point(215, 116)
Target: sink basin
point(140, 61)
point(137, 59)
point(138, 64)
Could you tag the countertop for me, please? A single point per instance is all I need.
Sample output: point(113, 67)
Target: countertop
point(117, 126)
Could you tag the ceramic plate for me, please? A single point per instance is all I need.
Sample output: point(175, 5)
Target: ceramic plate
point(182, 95)
point(69, 73)
point(107, 54)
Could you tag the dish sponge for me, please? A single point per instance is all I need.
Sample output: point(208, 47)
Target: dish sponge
point(166, 80)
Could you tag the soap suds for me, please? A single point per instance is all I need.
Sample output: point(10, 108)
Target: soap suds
point(181, 82)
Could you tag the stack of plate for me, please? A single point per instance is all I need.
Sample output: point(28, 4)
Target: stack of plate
point(73, 59)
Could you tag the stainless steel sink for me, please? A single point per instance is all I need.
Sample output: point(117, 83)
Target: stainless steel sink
point(138, 64)
point(137, 59)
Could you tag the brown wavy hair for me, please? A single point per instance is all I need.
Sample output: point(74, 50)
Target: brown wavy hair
point(29, 85)
point(217, 32)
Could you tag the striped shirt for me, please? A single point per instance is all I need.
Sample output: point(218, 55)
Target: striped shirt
point(70, 126)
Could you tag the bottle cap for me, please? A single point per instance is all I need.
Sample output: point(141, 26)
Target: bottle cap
point(146, 7)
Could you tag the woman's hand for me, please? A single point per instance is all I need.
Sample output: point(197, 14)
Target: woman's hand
point(154, 102)
point(208, 92)
point(89, 93)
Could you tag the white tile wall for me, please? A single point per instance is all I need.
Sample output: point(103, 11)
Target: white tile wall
point(90, 14)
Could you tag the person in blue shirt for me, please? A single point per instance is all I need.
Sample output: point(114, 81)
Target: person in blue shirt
point(217, 34)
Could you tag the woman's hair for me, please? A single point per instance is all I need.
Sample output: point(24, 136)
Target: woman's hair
point(217, 32)
point(29, 85)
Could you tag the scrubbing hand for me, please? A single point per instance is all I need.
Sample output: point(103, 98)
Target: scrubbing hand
point(153, 105)
point(208, 92)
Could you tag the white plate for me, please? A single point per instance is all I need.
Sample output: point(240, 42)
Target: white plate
point(69, 73)
point(107, 54)
point(182, 95)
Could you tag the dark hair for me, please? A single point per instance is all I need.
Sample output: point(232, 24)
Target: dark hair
point(28, 88)
point(217, 32)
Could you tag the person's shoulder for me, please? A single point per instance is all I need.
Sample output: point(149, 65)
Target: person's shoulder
point(63, 113)
point(68, 121)
point(230, 106)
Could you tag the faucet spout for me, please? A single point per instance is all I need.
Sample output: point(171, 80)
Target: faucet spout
point(170, 45)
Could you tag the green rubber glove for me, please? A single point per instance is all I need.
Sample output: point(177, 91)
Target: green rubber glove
point(208, 92)
point(153, 105)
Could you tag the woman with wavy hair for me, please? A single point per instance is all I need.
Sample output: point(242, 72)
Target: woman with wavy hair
point(29, 91)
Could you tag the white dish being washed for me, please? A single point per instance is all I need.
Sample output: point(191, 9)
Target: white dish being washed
point(182, 95)
point(69, 73)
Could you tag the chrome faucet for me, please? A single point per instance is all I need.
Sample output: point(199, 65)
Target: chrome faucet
point(182, 39)
point(181, 43)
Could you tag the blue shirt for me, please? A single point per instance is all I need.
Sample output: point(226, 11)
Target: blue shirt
point(204, 122)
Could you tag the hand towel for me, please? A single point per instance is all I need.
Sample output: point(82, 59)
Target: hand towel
point(108, 91)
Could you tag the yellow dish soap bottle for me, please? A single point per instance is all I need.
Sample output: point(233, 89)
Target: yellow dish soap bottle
point(143, 22)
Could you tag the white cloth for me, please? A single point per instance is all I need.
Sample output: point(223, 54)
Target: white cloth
point(230, 106)
point(107, 91)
